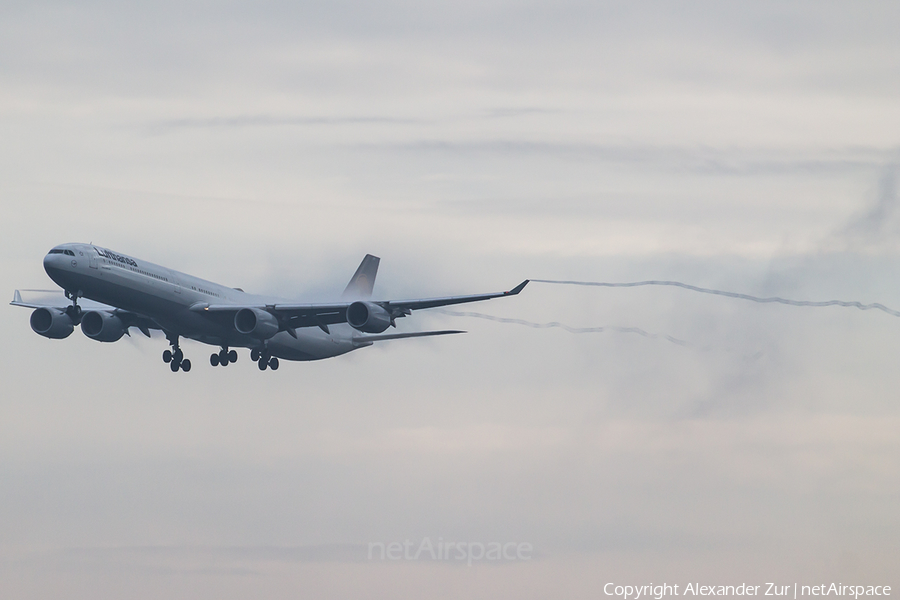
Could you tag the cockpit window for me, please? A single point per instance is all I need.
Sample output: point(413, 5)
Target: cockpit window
point(57, 251)
point(69, 253)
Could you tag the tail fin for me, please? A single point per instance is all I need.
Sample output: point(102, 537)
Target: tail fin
point(363, 280)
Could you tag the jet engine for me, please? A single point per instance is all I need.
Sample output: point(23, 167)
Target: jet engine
point(256, 323)
point(102, 326)
point(368, 317)
point(52, 323)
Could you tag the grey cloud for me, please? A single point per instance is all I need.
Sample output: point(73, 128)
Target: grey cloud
point(239, 121)
point(270, 121)
point(880, 219)
point(697, 159)
point(173, 555)
point(187, 47)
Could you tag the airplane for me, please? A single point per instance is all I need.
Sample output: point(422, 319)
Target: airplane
point(118, 292)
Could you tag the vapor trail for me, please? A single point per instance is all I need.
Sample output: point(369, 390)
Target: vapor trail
point(769, 300)
point(570, 329)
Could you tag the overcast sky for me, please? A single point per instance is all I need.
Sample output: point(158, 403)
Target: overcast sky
point(470, 145)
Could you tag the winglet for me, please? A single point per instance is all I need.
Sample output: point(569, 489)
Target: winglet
point(517, 289)
point(17, 297)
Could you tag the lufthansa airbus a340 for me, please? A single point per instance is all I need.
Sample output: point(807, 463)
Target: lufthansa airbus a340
point(120, 292)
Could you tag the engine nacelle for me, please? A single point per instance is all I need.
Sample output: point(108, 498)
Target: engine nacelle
point(102, 326)
point(52, 323)
point(256, 323)
point(368, 317)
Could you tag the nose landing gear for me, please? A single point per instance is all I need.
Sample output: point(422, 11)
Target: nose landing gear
point(73, 310)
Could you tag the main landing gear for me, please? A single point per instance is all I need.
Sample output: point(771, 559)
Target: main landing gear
point(175, 357)
point(263, 360)
point(176, 360)
point(223, 357)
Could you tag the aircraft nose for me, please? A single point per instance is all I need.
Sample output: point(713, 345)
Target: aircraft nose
point(53, 262)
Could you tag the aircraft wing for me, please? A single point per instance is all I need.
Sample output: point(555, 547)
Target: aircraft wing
point(52, 299)
point(447, 300)
point(321, 315)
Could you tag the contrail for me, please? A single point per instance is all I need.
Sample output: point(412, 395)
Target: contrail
point(563, 326)
point(769, 300)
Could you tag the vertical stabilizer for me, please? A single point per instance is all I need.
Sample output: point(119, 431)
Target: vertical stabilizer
point(363, 280)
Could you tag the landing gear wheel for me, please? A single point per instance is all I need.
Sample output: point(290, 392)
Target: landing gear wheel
point(273, 363)
point(254, 355)
point(262, 364)
point(214, 359)
point(223, 358)
point(175, 357)
point(232, 356)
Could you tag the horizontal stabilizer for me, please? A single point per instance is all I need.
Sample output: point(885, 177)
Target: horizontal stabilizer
point(367, 339)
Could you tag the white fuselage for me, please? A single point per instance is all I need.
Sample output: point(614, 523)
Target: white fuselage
point(166, 296)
